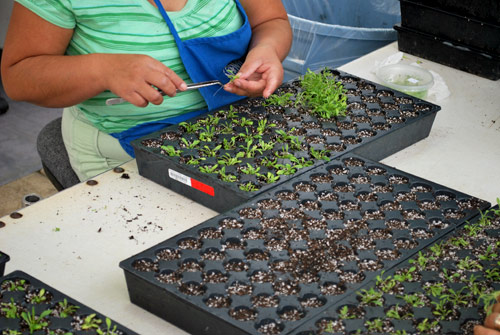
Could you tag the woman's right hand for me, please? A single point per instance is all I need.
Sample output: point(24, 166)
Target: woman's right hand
point(132, 78)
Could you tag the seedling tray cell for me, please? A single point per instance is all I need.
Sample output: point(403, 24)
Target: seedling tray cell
point(450, 283)
point(273, 263)
point(29, 306)
point(449, 53)
point(450, 26)
point(378, 122)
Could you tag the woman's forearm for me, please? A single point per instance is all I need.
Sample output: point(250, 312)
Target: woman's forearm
point(54, 80)
point(275, 33)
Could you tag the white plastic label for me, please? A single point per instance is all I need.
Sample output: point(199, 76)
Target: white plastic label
point(179, 177)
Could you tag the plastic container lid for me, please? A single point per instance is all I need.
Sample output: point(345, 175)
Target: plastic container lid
point(412, 80)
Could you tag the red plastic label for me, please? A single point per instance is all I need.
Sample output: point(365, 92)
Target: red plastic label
point(191, 182)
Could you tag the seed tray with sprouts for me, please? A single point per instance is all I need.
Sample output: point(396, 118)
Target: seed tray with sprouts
point(28, 306)
point(447, 288)
point(226, 157)
point(275, 262)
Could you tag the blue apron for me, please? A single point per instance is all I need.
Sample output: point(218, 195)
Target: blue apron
point(205, 58)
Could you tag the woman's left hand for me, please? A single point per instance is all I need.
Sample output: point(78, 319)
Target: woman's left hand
point(260, 75)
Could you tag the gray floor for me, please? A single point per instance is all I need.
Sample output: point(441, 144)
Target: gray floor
point(19, 128)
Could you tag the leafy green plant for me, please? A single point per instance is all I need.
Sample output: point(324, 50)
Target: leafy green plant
point(14, 285)
point(248, 187)
point(285, 169)
point(190, 145)
point(322, 154)
point(489, 254)
point(489, 299)
point(171, 151)
point(268, 178)
point(425, 326)
point(371, 297)
point(229, 160)
point(344, 313)
point(385, 284)
point(282, 100)
point(405, 275)
point(66, 309)
point(91, 322)
point(322, 94)
point(435, 289)
point(210, 152)
point(207, 134)
point(265, 146)
point(457, 297)
point(441, 309)
point(413, 299)
point(375, 325)
point(231, 75)
point(243, 122)
point(210, 120)
point(209, 168)
point(469, 264)
point(250, 169)
point(194, 161)
point(35, 322)
point(189, 128)
point(396, 313)
point(229, 144)
point(10, 309)
point(421, 260)
point(230, 178)
point(110, 329)
point(39, 297)
point(262, 126)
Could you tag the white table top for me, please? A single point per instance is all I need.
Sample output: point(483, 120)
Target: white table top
point(74, 240)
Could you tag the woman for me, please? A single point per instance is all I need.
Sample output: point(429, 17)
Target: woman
point(77, 54)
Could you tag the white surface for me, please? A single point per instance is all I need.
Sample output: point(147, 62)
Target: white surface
point(462, 152)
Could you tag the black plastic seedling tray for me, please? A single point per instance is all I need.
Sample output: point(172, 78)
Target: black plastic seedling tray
point(275, 262)
point(453, 54)
point(449, 283)
point(4, 258)
point(482, 10)
point(379, 122)
point(450, 26)
point(23, 297)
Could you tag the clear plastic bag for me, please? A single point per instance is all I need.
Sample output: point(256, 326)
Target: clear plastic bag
point(334, 32)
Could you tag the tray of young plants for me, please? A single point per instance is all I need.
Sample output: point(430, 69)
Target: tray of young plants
point(228, 156)
point(4, 258)
point(28, 306)
point(271, 264)
point(446, 288)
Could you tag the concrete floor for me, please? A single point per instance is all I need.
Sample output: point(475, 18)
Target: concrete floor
point(12, 194)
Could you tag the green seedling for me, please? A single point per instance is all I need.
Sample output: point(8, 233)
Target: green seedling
point(405, 275)
point(265, 146)
point(489, 254)
point(190, 145)
point(207, 134)
point(469, 264)
point(40, 297)
point(226, 129)
point(283, 153)
point(344, 313)
point(489, 300)
point(285, 169)
point(189, 128)
point(229, 160)
point(248, 187)
point(195, 161)
point(210, 152)
point(375, 325)
point(322, 94)
point(110, 329)
point(243, 122)
point(262, 126)
point(9, 309)
point(171, 151)
point(232, 76)
point(426, 326)
point(248, 136)
point(268, 178)
point(323, 154)
point(441, 309)
point(413, 299)
point(371, 297)
point(435, 289)
point(35, 322)
point(66, 308)
point(210, 120)
point(250, 169)
point(270, 163)
point(396, 313)
point(209, 168)
point(278, 100)
point(385, 284)
point(229, 145)
point(421, 260)
point(230, 178)
point(301, 162)
point(91, 322)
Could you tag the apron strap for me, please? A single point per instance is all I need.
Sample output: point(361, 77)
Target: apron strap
point(170, 25)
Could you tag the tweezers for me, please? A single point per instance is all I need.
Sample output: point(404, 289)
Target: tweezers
point(192, 86)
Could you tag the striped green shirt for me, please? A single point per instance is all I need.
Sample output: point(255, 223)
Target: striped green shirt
point(136, 27)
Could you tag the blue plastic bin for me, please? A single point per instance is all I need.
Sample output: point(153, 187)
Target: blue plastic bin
point(334, 32)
